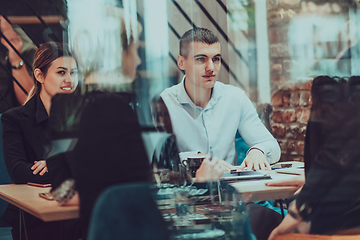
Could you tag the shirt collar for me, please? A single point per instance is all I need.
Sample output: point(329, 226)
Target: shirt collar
point(184, 98)
point(41, 114)
point(182, 95)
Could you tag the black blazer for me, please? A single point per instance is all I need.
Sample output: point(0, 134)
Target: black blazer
point(24, 138)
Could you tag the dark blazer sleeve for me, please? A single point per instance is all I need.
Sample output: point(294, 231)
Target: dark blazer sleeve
point(59, 168)
point(16, 155)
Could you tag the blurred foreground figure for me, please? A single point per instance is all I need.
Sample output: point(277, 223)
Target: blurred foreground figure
point(109, 148)
point(329, 201)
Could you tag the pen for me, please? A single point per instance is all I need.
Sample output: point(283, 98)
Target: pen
point(211, 153)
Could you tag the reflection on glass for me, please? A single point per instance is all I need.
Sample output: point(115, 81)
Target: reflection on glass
point(323, 39)
point(194, 214)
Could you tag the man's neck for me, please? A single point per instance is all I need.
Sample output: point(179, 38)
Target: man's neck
point(198, 95)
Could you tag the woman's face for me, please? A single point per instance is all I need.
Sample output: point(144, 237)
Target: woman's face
point(61, 77)
point(131, 60)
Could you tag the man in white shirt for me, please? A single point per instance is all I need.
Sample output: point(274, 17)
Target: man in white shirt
point(206, 114)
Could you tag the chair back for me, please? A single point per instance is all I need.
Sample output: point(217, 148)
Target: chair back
point(4, 178)
point(127, 212)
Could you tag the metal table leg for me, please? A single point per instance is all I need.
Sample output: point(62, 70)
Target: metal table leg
point(22, 222)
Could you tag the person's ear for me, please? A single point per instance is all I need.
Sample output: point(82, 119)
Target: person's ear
point(39, 76)
point(181, 62)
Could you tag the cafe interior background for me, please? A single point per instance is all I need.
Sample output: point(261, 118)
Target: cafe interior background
point(270, 49)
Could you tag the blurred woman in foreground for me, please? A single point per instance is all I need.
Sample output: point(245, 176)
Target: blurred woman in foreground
point(329, 201)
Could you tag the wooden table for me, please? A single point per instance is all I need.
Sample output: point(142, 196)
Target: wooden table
point(27, 198)
point(255, 190)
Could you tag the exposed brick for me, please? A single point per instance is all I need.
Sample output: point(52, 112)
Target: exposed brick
point(272, 4)
point(289, 3)
point(283, 145)
point(276, 116)
point(276, 68)
point(305, 99)
point(278, 80)
point(276, 99)
point(302, 115)
point(278, 130)
point(284, 33)
point(300, 147)
point(286, 98)
point(295, 131)
point(279, 50)
point(274, 35)
point(288, 116)
point(295, 98)
point(292, 147)
point(291, 87)
point(306, 86)
point(294, 158)
point(283, 158)
point(302, 132)
point(278, 17)
point(292, 131)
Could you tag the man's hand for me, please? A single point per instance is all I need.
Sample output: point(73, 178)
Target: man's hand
point(210, 171)
point(39, 166)
point(11, 35)
point(255, 159)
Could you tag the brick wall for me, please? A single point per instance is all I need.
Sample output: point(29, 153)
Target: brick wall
point(290, 103)
point(291, 111)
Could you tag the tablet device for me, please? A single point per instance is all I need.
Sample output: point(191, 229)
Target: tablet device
point(245, 175)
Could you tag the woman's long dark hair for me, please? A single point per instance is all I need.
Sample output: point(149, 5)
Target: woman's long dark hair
point(336, 111)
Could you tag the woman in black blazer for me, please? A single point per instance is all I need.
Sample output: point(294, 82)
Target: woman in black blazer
point(25, 128)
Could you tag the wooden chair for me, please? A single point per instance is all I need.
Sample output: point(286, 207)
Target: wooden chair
point(296, 236)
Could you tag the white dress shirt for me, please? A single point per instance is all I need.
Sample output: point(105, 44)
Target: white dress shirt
point(229, 110)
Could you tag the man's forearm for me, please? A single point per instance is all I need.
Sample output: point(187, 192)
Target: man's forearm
point(270, 149)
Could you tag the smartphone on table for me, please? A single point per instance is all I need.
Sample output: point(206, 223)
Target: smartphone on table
point(47, 196)
point(44, 185)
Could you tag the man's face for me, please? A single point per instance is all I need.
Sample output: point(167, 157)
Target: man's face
point(202, 65)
